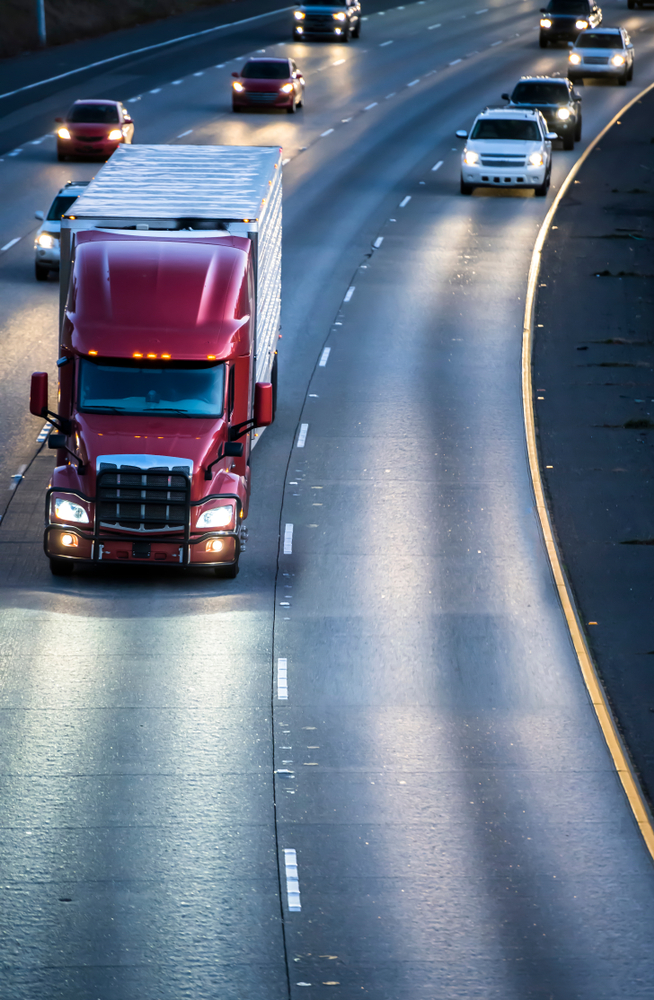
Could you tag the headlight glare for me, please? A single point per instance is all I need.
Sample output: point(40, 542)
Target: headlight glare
point(287, 88)
point(46, 240)
point(115, 135)
point(470, 157)
point(545, 22)
point(66, 510)
point(63, 133)
point(618, 60)
point(217, 517)
point(238, 87)
point(581, 25)
point(299, 15)
point(563, 114)
point(340, 16)
point(535, 159)
point(575, 58)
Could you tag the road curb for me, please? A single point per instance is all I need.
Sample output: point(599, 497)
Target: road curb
point(615, 744)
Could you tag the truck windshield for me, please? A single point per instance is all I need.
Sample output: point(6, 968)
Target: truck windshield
point(506, 128)
point(540, 93)
point(188, 389)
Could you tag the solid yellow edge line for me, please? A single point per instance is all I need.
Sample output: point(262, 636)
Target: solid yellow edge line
point(589, 672)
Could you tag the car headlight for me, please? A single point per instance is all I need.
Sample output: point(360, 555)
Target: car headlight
point(299, 15)
point(287, 88)
point(217, 517)
point(535, 159)
point(340, 16)
point(581, 25)
point(66, 510)
point(238, 87)
point(470, 157)
point(617, 60)
point(545, 22)
point(574, 58)
point(63, 133)
point(46, 240)
point(563, 114)
point(115, 134)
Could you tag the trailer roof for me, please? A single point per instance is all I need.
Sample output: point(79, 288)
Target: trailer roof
point(170, 182)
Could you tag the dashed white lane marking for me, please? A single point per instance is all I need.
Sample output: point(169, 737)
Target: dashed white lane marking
point(220, 65)
point(10, 244)
point(199, 73)
point(157, 90)
point(324, 357)
point(328, 132)
point(413, 82)
point(185, 133)
point(373, 105)
point(176, 83)
point(378, 242)
point(382, 44)
point(437, 166)
point(292, 880)
point(432, 26)
point(287, 160)
point(338, 62)
point(455, 61)
point(388, 96)
point(302, 436)
point(496, 43)
point(15, 152)
point(37, 142)
point(349, 293)
point(484, 10)
point(405, 201)
point(45, 430)
point(282, 679)
point(288, 540)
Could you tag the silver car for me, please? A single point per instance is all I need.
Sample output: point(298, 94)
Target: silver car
point(602, 52)
point(46, 242)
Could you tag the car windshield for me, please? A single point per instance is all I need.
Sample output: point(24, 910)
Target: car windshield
point(597, 40)
point(506, 128)
point(93, 114)
point(568, 7)
point(324, 3)
point(187, 389)
point(59, 207)
point(261, 69)
point(540, 93)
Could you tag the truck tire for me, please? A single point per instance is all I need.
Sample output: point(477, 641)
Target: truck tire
point(569, 141)
point(41, 273)
point(466, 188)
point(61, 567)
point(578, 131)
point(542, 189)
point(227, 572)
point(542, 42)
point(357, 31)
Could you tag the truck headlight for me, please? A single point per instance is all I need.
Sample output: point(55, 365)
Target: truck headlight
point(217, 517)
point(545, 22)
point(575, 58)
point(617, 60)
point(46, 240)
point(563, 114)
point(115, 135)
point(238, 87)
point(470, 158)
point(63, 133)
point(66, 510)
point(340, 16)
point(535, 159)
point(299, 15)
point(581, 25)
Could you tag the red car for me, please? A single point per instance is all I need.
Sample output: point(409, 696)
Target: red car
point(93, 129)
point(268, 83)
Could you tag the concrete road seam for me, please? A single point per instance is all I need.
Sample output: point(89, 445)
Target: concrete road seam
point(616, 745)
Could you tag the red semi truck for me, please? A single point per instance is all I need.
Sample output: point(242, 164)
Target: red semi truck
point(170, 312)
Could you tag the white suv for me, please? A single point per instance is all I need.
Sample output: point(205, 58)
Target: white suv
point(507, 148)
point(46, 241)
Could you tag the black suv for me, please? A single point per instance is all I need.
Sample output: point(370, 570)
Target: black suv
point(562, 20)
point(556, 99)
point(338, 20)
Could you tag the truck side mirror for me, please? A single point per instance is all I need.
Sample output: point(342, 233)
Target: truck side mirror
point(263, 404)
point(39, 394)
point(57, 440)
point(39, 215)
point(233, 449)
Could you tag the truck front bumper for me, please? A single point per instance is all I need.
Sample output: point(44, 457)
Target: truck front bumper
point(521, 177)
point(213, 548)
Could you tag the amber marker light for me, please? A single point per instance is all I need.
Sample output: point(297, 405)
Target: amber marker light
point(93, 352)
point(151, 355)
point(166, 357)
point(211, 357)
point(136, 355)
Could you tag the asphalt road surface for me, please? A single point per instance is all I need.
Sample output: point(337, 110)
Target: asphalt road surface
point(437, 768)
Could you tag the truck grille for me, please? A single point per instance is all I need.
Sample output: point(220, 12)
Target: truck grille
point(518, 161)
point(143, 500)
point(320, 22)
point(596, 60)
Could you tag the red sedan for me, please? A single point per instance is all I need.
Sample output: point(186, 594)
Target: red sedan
point(93, 129)
point(268, 83)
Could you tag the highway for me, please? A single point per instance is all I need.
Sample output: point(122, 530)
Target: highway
point(459, 828)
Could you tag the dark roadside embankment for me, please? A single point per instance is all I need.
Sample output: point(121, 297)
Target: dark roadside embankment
point(72, 20)
point(593, 380)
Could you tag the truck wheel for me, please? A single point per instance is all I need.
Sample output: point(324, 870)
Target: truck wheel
point(622, 82)
point(61, 567)
point(357, 31)
point(542, 189)
point(40, 272)
point(227, 572)
point(542, 42)
point(569, 141)
point(466, 188)
point(578, 132)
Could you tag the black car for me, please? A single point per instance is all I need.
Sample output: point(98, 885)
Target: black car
point(562, 20)
point(556, 99)
point(338, 20)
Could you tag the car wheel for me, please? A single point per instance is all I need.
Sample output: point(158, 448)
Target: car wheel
point(41, 272)
point(542, 189)
point(466, 188)
point(61, 157)
point(622, 81)
point(61, 567)
point(630, 74)
point(227, 572)
point(578, 131)
point(631, 4)
point(542, 42)
point(292, 108)
point(569, 141)
point(346, 36)
point(357, 31)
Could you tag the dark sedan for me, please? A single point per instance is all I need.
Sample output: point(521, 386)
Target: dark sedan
point(93, 129)
point(268, 83)
point(556, 99)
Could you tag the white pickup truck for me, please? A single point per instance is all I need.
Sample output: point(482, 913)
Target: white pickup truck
point(507, 148)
